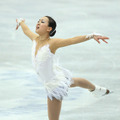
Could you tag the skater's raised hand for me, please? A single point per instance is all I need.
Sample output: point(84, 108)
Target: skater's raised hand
point(98, 38)
point(19, 21)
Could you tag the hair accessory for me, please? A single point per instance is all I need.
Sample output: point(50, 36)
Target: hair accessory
point(52, 31)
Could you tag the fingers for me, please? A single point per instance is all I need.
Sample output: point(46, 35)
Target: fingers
point(102, 38)
point(97, 39)
point(19, 21)
point(105, 37)
point(16, 27)
point(104, 41)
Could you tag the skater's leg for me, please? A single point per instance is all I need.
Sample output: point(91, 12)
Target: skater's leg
point(81, 82)
point(95, 89)
point(54, 107)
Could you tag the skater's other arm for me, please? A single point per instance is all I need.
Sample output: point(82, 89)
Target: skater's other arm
point(26, 30)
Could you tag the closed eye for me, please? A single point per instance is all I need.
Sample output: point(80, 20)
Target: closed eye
point(42, 22)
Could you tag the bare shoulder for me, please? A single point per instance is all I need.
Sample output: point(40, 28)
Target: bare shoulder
point(59, 42)
point(56, 41)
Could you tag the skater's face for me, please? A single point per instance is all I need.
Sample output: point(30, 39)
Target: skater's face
point(42, 26)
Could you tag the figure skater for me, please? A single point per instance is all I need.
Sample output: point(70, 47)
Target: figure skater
point(55, 78)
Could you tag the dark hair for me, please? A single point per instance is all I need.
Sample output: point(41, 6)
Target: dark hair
point(52, 24)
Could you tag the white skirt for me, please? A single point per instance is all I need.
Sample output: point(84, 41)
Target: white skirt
point(58, 86)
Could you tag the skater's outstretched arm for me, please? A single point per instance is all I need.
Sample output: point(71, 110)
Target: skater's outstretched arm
point(26, 30)
point(65, 42)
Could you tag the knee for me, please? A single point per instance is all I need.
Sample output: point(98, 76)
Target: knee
point(75, 83)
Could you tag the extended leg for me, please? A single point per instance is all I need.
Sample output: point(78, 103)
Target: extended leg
point(95, 89)
point(81, 82)
point(54, 107)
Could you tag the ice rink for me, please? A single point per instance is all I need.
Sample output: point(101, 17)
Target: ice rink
point(22, 96)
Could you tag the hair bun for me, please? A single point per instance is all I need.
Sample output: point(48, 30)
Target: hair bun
point(52, 23)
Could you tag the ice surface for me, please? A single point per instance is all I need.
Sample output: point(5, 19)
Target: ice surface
point(22, 97)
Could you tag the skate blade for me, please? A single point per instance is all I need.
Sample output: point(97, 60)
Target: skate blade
point(108, 93)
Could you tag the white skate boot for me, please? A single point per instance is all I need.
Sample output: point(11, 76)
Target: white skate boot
point(100, 91)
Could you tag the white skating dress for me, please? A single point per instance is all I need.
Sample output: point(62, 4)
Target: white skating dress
point(55, 78)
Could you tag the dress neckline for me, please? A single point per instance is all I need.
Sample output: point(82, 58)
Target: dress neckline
point(41, 48)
